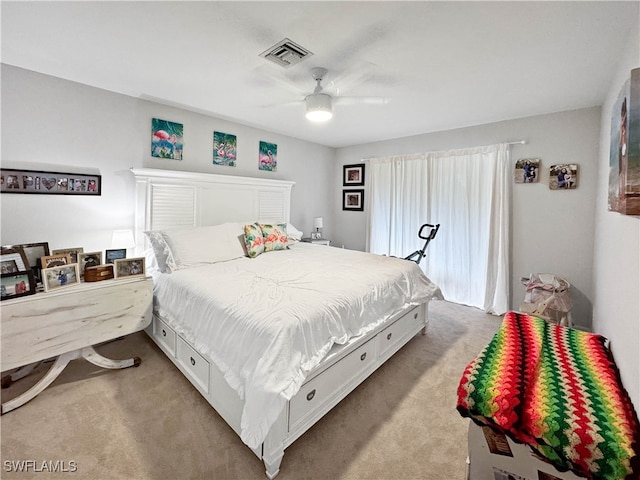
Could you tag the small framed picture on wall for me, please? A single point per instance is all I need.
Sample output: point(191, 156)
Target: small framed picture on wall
point(353, 175)
point(353, 200)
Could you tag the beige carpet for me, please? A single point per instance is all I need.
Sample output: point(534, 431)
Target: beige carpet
point(150, 423)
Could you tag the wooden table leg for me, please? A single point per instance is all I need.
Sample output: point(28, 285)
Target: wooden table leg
point(61, 362)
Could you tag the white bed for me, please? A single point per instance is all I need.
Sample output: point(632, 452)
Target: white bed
point(272, 342)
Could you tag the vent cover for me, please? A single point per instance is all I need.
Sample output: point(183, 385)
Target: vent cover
point(286, 53)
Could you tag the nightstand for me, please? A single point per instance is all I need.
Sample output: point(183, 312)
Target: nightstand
point(322, 241)
point(66, 323)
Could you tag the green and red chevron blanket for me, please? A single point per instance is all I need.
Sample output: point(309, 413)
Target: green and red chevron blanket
point(558, 390)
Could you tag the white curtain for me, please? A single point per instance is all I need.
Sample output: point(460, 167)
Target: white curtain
point(467, 193)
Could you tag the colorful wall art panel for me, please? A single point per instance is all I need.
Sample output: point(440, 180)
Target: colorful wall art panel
point(166, 139)
point(224, 149)
point(268, 157)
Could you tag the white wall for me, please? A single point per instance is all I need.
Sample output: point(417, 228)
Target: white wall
point(616, 276)
point(55, 124)
point(552, 230)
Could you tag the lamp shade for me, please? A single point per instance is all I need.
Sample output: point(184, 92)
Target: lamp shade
point(317, 222)
point(122, 239)
point(318, 107)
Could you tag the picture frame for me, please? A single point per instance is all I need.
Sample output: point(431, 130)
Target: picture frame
point(129, 268)
point(527, 170)
point(267, 156)
point(563, 176)
point(13, 260)
point(60, 277)
point(14, 285)
point(353, 200)
point(225, 147)
point(316, 236)
point(33, 253)
point(167, 139)
point(56, 260)
point(112, 255)
point(73, 252)
point(44, 182)
point(353, 175)
point(88, 259)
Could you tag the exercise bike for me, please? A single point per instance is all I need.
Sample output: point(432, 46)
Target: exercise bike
point(420, 254)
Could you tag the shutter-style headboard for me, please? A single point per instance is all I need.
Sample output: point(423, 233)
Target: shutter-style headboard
point(169, 199)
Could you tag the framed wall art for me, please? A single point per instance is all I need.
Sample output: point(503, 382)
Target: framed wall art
point(353, 200)
point(624, 153)
point(18, 284)
point(268, 156)
point(224, 149)
point(527, 170)
point(563, 176)
point(353, 175)
point(62, 276)
point(45, 182)
point(166, 139)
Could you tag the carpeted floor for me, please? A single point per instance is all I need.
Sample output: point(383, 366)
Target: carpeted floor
point(150, 423)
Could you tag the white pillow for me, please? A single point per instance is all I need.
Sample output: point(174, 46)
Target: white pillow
point(201, 245)
point(161, 251)
point(293, 234)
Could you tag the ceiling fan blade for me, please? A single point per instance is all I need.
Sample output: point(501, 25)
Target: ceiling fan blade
point(355, 100)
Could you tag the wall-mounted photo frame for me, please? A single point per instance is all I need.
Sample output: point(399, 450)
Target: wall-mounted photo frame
point(268, 156)
point(166, 139)
point(224, 149)
point(13, 285)
point(563, 176)
point(73, 252)
point(112, 255)
point(353, 175)
point(624, 150)
point(56, 260)
point(353, 200)
point(129, 267)
point(59, 277)
point(13, 260)
point(50, 183)
point(527, 170)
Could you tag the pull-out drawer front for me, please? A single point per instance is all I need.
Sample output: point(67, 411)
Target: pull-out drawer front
point(331, 383)
point(194, 363)
point(164, 334)
point(396, 334)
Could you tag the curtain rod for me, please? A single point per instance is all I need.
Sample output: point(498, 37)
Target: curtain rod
point(515, 142)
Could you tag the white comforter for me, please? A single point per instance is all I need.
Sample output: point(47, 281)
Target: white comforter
point(267, 322)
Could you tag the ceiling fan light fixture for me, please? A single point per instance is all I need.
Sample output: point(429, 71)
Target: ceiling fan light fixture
point(318, 107)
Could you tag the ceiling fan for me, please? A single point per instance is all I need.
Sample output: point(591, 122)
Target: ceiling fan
point(319, 105)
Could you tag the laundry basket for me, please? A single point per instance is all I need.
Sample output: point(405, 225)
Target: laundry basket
point(547, 296)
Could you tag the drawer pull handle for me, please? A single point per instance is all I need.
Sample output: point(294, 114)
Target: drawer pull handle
point(363, 356)
point(389, 335)
point(164, 333)
point(415, 315)
point(193, 362)
point(311, 394)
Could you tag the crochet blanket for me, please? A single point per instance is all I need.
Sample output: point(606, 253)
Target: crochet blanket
point(558, 390)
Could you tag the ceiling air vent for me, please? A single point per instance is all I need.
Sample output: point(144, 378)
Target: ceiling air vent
point(286, 53)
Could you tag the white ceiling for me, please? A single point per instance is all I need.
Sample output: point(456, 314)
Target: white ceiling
point(443, 65)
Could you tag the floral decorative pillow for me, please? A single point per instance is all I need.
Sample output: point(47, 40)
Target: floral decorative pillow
point(254, 240)
point(275, 236)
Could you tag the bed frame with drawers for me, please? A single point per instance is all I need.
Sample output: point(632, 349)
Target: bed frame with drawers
point(179, 199)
